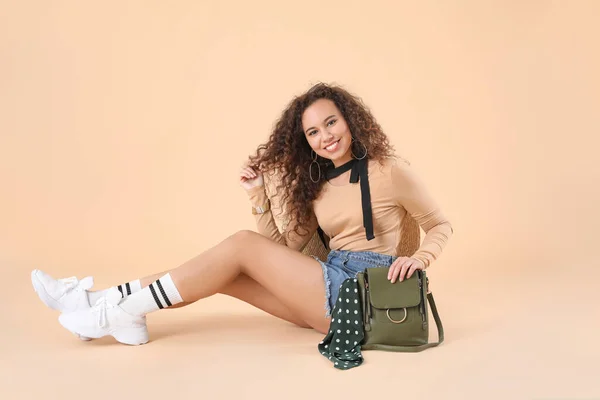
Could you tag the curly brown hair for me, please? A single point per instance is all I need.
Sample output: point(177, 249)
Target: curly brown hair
point(288, 153)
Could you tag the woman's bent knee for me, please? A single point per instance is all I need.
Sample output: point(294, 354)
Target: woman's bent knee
point(240, 238)
point(243, 236)
point(239, 242)
point(245, 240)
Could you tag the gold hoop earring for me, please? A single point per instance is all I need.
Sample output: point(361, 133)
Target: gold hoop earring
point(314, 161)
point(351, 152)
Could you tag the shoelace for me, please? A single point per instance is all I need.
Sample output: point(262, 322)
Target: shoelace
point(71, 283)
point(100, 308)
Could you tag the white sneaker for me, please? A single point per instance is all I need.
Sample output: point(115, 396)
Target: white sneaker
point(64, 295)
point(106, 318)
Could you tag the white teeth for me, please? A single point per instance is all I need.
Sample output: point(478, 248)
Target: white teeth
point(331, 146)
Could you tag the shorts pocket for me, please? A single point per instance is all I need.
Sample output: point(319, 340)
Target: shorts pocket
point(354, 266)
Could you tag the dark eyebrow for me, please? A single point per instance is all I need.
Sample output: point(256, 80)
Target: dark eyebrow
point(325, 120)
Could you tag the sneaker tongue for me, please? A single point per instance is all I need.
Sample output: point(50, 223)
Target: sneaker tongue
point(87, 283)
point(113, 296)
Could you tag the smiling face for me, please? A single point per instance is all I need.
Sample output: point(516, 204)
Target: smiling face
point(327, 132)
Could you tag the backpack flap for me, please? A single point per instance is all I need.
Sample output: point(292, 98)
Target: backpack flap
point(386, 295)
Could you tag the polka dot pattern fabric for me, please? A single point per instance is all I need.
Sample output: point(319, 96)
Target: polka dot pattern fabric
point(341, 345)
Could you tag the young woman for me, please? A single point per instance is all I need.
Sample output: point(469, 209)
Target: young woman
point(337, 172)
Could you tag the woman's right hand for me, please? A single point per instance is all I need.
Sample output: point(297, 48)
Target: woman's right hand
point(250, 178)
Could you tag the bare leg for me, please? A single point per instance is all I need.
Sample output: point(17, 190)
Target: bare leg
point(293, 278)
point(249, 291)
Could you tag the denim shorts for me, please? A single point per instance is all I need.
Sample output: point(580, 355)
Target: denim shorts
point(343, 264)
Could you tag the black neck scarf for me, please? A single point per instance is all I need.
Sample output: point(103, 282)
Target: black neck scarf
point(359, 169)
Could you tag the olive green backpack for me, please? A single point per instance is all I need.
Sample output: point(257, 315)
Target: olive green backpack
point(395, 315)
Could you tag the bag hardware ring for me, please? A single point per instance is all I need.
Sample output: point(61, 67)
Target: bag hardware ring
point(394, 321)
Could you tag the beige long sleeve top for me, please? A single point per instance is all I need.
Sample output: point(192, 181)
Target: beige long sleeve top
point(395, 192)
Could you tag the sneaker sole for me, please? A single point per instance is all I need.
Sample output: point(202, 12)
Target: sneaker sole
point(128, 336)
point(131, 336)
point(48, 300)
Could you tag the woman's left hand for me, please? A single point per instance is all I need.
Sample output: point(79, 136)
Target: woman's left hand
point(404, 267)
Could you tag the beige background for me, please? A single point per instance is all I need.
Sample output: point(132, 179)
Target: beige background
point(122, 128)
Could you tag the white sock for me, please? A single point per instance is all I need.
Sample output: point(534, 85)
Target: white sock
point(126, 289)
point(159, 294)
